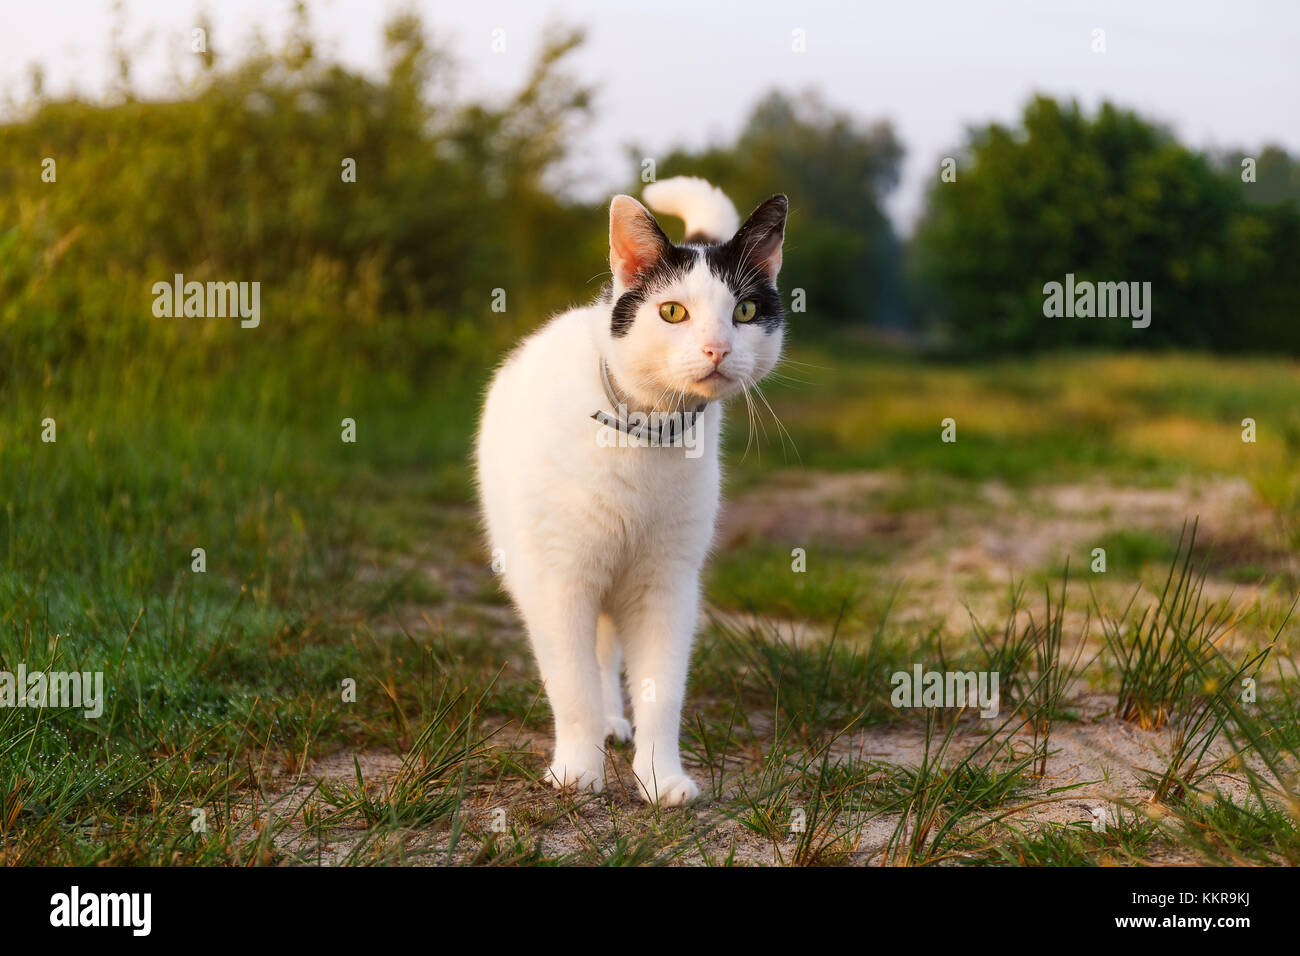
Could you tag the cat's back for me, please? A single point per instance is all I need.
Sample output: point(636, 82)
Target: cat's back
point(543, 368)
point(539, 399)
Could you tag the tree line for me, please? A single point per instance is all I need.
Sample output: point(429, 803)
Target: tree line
point(384, 212)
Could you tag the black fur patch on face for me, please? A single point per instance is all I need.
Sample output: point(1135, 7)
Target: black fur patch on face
point(675, 259)
point(739, 262)
point(747, 282)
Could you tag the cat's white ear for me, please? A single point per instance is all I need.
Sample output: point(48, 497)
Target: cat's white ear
point(636, 243)
point(760, 236)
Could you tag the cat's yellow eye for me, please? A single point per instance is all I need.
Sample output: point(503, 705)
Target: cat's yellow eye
point(672, 312)
point(745, 311)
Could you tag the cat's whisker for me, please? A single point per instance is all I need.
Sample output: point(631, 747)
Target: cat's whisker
point(749, 408)
point(659, 402)
point(786, 360)
point(749, 384)
point(788, 378)
point(779, 424)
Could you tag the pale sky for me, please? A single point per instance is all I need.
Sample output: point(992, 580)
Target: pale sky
point(686, 71)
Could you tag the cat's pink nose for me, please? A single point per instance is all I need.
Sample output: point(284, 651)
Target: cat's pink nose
point(717, 352)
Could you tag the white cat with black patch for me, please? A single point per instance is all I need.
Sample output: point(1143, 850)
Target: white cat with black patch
point(601, 542)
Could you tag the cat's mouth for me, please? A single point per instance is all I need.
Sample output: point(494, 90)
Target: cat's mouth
point(714, 385)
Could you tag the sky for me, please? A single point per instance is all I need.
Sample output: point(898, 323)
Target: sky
point(686, 72)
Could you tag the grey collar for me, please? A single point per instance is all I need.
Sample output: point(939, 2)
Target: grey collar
point(654, 428)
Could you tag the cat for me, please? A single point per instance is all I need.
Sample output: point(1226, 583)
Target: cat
point(598, 515)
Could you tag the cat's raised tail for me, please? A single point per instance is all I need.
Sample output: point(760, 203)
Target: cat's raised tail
point(707, 212)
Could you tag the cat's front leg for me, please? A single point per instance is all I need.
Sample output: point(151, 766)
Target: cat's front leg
point(609, 654)
point(562, 629)
point(659, 631)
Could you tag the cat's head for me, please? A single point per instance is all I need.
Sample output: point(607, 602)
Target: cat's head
point(697, 320)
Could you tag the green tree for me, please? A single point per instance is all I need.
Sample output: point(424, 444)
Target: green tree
point(1110, 197)
point(241, 177)
point(837, 171)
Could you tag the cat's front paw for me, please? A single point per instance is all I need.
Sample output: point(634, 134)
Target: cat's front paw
point(618, 727)
point(669, 791)
point(569, 775)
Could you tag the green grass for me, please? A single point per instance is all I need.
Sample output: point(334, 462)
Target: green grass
point(1162, 655)
point(761, 579)
point(1142, 419)
point(329, 562)
point(1127, 840)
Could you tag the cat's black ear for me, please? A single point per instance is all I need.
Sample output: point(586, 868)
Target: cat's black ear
point(636, 243)
point(758, 240)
